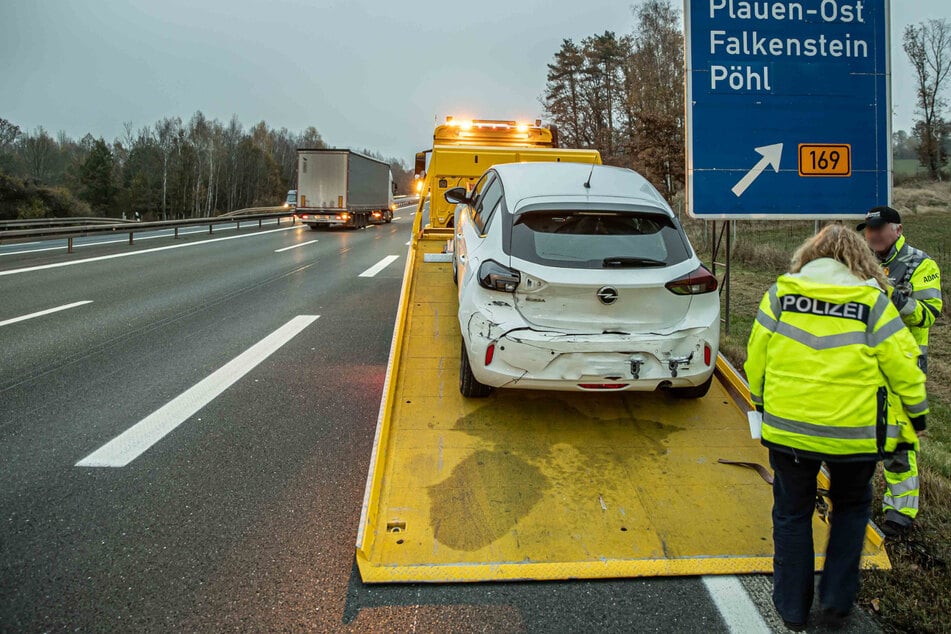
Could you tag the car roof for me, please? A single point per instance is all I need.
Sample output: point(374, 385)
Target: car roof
point(524, 181)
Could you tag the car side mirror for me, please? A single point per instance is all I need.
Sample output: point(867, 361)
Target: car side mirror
point(457, 196)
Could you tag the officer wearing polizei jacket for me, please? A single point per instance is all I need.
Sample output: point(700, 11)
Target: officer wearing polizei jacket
point(833, 369)
point(916, 283)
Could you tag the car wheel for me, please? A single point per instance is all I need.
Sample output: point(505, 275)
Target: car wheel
point(468, 385)
point(696, 391)
point(389, 217)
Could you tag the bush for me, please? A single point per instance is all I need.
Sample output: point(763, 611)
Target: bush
point(21, 199)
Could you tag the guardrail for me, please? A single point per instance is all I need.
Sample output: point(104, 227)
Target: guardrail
point(71, 227)
point(6, 225)
point(119, 227)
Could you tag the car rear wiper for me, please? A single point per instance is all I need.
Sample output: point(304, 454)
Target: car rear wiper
point(621, 261)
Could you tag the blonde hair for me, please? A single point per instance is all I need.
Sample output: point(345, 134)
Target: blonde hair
point(840, 243)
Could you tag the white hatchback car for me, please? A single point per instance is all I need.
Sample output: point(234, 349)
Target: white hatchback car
point(573, 277)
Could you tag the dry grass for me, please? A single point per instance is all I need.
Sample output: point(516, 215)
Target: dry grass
point(915, 596)
point(922, 197)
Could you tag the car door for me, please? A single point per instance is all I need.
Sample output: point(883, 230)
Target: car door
point(468, 229)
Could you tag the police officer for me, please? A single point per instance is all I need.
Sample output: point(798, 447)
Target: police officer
point(832, 367)
point(916, 281)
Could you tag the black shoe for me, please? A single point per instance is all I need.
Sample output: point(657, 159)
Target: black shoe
point(895, 530)
point(795, 627)
point(833, 619)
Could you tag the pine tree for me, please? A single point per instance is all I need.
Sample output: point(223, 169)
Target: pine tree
point(96, 177)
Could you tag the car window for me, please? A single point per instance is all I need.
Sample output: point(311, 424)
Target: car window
point(480, 187)
point(486, 204)
point(594, 240)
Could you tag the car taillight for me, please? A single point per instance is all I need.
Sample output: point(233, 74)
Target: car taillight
point(707, 354)
point(496, 277)
point(489, 353)
point(698, 282)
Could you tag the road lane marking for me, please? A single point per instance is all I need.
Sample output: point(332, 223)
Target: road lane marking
point(294, 246)
point(734, 604)
point(379, 266)
point(45, 312)
point(166, 233)
point(398, 218)
point(143, 251)
point(134, 441)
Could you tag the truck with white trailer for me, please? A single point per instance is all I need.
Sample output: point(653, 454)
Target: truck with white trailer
point(339, 187)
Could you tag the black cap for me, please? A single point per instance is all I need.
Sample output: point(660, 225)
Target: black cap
point(879, 217)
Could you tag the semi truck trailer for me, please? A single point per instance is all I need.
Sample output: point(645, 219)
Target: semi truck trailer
point(338, 187)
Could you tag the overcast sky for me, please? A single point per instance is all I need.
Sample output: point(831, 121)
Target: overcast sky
point(365, 73)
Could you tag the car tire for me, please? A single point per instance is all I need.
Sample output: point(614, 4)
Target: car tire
point(389, 217)
point(468, 385)
point(696, 391)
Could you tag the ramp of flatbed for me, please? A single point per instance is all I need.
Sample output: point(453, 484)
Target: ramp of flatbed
point(549, 485)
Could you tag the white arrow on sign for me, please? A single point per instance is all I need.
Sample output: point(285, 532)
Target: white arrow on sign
point(771, 155)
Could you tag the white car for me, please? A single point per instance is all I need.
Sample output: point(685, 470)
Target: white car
point(579, 277)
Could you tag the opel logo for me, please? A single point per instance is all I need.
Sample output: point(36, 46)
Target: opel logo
point(607, 295)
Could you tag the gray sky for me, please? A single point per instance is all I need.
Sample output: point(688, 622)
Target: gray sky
point(365, 73)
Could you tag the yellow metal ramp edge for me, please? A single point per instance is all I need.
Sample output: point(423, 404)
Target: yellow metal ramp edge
point(550, 485)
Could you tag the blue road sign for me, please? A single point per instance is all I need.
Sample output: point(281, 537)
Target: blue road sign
point(788, 108)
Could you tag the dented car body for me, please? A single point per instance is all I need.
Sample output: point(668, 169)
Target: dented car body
point(579, 277)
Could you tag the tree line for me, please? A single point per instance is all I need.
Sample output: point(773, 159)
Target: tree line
point(170, 170)
point(624, 95)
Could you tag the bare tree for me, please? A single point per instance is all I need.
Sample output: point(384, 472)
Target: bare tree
point(38, 150)
point(928, 46)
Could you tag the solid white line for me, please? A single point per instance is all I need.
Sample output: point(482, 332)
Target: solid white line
point(408, 242)
point(737, 609)
point(379, 266)
point(165, 233)
point(143, 251)
point(398, 218)
point(294, 246)
point(134, 441)
point(45, 312)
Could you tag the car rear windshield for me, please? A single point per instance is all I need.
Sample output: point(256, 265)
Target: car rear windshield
point(595, 240)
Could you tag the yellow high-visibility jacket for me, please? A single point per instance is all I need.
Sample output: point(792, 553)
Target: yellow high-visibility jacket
point(917, 277)
point(833, 366)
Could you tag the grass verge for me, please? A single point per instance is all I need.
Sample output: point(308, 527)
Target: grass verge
point(915, 596)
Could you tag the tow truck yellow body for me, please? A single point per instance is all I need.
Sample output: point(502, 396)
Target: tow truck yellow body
point(463, 150)
point(550, 485)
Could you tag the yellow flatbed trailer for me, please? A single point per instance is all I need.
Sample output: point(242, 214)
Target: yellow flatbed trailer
point(553, 485)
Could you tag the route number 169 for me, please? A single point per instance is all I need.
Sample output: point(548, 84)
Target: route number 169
point(825, 159)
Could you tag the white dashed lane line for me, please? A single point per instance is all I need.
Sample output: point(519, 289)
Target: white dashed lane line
point(294, 246)
point(136, 440)
point(379, 266)
point(48, 311)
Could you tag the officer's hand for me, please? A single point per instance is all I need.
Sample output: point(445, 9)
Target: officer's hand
point(899, 299)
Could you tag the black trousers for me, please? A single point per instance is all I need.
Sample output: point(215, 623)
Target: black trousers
point(794, 501)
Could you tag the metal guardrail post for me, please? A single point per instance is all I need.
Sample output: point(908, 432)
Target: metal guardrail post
point(69, 245)
point(176, 233)
point(131, 238)
point(259, 223)
point(210, 228)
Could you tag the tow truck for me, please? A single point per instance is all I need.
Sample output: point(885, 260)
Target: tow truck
point(549, 485)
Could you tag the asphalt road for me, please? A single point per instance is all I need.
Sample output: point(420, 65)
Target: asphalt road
point(242, 515)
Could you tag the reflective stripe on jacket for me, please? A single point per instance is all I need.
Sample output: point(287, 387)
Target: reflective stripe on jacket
point(911, 270)
point(833, 366)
